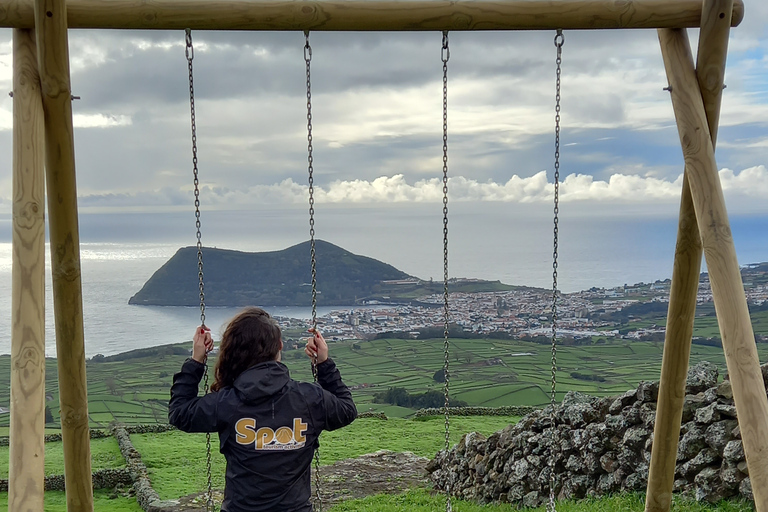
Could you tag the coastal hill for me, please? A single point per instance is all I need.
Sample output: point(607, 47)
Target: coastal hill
point(282, 278)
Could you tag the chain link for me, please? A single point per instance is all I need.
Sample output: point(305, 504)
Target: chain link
point(190, 54)
point(310, 172)
point(551, 506)
point(445, 54)
point(312, 256)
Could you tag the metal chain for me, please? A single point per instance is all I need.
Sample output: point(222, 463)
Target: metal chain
point(445, 55)
point(551, 507)
point(190, 54)
point(310, 171)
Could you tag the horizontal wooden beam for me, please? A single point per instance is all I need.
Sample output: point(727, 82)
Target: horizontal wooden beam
point(370, 15)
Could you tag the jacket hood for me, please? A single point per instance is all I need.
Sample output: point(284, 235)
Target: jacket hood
point(262, 380)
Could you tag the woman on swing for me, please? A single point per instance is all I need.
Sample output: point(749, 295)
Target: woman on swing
point(268, 423)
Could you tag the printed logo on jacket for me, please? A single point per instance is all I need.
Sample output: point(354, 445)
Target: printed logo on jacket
point(264, 438)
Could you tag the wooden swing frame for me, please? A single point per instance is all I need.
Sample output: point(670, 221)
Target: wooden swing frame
point(43, 153)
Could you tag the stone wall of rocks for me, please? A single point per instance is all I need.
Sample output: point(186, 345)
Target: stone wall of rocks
point(149, 429)
point(511, 410)
point(146, 496)
point(102, 479)
point(601, 446)
point(371, 414)
point(52, 438)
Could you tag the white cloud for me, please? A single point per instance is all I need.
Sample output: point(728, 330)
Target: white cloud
point(6, 119)
point(6, 62)
point(79, 120)
point(620, 187)
point(752, 182)
point(575, 188)
point(100, 120)
point(86, 52)
point(377, 113)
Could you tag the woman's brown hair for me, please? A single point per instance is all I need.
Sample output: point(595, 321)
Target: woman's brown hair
point(252, 337)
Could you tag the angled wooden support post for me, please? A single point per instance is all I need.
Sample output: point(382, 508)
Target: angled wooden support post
point(722, 264)
point(53, 61)
point(26, 472)
point(711, 56)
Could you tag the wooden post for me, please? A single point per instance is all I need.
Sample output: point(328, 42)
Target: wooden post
point(26, 473)
point(713, 48)
point(722, 264)
point(677, 352)
point(53, 61)
point(379, 15)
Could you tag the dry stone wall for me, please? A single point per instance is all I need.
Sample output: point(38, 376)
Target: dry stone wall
point(52, 438)
point(601, 446)
point(102, 479)
point(146, 496)
point(513, 410)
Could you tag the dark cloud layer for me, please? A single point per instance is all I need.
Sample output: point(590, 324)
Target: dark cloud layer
point(377, 107)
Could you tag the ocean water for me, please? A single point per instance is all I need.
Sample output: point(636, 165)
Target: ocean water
point(512, 244)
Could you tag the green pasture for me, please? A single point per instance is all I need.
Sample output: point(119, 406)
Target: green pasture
point(706, 324)
point(105, 454)
point(482, 373)
point(421, 500)
point(134, 391)
point(494, 373)
point(176, 464)
point(104, 500)
point(174, 458)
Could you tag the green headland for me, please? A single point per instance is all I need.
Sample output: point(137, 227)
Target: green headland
point(283, 278)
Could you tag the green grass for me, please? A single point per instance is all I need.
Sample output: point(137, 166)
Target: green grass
point(136, 391)
point(420, 500)
point(103, 501)
point(176, 463)
point(169, 455)
point(105, 454)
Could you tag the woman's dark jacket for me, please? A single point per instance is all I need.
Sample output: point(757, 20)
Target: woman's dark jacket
point(268, 427)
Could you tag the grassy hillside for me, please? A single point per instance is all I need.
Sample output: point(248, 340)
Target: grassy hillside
point(135, 389)
point(282, 278)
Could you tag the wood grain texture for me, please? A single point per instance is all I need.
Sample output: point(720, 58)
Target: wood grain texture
point(711, 56)
point(363, 15)
point(722, 264)
point(53, 63)
point(713, 47)
point(26, 471)
point(677, 352)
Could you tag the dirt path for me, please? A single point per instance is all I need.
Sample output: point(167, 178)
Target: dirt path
point(373, 473)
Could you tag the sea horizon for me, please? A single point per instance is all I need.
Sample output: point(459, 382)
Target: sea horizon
point(603, 253)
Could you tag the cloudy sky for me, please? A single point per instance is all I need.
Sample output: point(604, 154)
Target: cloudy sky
point(377, 119)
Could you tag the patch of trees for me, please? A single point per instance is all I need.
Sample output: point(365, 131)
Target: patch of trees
point(640, 309)
point(655, 336)
point(153, 352)
point(561, 340)
point(500, 335)
point(402, 398)
point(754, 308)
point(588, 376)
point(707, 342)
point(539, 339)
